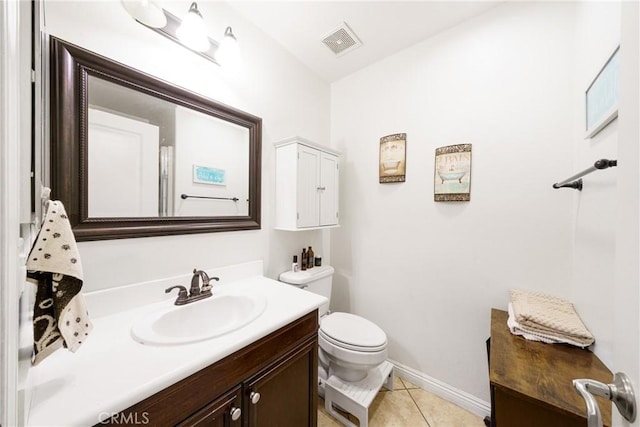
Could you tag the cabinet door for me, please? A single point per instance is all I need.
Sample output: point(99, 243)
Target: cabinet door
point(329, 174)
point(308, 183)
point(223, 412)
point(285, 394)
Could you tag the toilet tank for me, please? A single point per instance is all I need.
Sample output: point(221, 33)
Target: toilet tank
point(316, 280)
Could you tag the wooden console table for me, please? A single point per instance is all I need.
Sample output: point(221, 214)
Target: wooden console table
point(531, 381)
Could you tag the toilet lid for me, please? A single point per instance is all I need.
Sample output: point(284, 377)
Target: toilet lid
point(353, 332)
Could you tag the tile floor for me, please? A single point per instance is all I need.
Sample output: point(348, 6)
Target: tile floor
point(408, 406)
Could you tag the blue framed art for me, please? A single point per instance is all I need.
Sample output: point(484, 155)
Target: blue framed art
point(207, 175)
point(601, 97)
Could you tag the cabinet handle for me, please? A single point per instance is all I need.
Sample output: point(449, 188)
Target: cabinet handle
point(235, 413)
point(255, 397)
point(321, 188)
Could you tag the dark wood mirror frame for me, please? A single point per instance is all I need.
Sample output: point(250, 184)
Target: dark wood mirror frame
point(71, 67)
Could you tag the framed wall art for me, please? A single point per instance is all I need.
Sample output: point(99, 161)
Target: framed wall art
point(601, 97)
point(208, 175)
point(393, 160)
point(452, 175)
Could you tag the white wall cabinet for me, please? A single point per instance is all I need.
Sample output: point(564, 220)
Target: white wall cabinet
point(307, 177)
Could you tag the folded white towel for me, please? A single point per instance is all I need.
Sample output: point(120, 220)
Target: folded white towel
point(60, 316)
point(517, 329)
point(547, 316)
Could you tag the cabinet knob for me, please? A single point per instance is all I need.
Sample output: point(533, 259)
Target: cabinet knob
point(235, 413)
point(255, 397)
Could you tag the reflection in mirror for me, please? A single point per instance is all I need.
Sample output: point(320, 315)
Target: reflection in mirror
point(134, 156)
point(145, 153)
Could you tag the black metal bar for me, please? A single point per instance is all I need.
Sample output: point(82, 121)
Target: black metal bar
point(186, 196)
point(574, 182)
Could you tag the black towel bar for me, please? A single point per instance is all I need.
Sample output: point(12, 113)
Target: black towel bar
point(187, 196)
point(576, 183)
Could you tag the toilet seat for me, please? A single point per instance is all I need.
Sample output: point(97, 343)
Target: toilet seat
point(352, 332)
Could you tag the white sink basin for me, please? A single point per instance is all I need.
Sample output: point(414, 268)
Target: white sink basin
point(198, 321)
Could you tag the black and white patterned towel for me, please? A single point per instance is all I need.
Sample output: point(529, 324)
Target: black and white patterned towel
point(60, 317)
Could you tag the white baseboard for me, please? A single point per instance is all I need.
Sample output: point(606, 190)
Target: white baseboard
point(443, 390)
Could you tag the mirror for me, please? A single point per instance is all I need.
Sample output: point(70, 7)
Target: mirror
point(133, 156)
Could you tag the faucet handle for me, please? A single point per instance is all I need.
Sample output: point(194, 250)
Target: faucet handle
point(206, 286)
point(205, 278)
point(182, 294)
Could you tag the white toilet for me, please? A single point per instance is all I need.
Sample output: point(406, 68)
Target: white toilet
point(349, 345)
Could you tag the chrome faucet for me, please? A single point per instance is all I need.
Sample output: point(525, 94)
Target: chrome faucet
point(195, 291)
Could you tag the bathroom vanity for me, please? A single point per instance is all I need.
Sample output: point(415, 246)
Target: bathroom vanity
point(263, 373)
point(271, 382)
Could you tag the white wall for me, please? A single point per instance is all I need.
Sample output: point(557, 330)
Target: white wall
point(273, 85)
point(428, 273)
point(595, 208)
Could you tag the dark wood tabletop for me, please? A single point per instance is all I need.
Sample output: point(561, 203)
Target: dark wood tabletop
point(541, 373)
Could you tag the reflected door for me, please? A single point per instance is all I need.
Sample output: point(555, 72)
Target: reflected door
point(123, 166)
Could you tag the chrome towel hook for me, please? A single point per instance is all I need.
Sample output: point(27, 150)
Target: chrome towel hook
point(619, 392)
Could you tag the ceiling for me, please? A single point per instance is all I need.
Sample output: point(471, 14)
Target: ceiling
point(384, 27)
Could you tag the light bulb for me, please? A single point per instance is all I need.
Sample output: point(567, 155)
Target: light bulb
point(192, 33)
point(228, 53)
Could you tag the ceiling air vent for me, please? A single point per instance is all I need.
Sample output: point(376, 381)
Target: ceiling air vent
point(342, 40)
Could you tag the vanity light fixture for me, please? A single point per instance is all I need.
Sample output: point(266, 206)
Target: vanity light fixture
point(146, 12)
point(189, 32)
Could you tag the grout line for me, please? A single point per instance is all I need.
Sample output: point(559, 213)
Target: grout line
point(419, 410)
point(404, 386)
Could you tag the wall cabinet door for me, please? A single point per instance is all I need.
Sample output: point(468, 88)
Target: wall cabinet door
point(307, 181)
point(308, 187)
point(285, 394)
point(328, 190)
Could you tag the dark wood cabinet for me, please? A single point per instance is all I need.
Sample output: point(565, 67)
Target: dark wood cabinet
point(283, 392)
point(223, 412)
point(281, 368)
point(531, 382)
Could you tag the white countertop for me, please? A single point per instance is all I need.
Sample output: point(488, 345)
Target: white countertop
point(111, 371)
